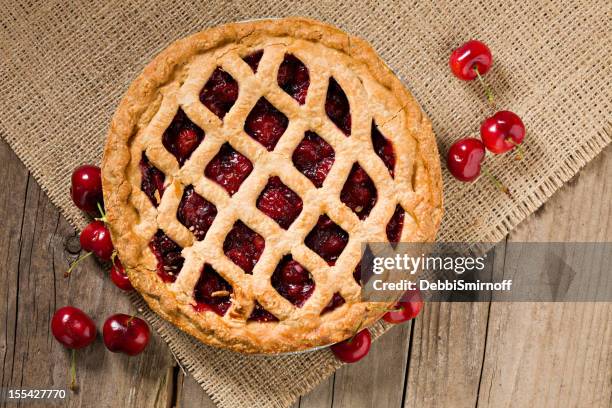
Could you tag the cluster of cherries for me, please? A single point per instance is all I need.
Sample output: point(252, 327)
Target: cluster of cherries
point(499, 133)
point(71, 326)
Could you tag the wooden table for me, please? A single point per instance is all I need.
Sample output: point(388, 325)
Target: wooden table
point(453, 355)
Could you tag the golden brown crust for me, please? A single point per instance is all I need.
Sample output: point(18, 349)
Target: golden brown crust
point(149, 105)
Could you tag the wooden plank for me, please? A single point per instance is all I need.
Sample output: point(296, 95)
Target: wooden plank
point(447, 353)
point(33, 264)
point(378, 379)
point(556, 354)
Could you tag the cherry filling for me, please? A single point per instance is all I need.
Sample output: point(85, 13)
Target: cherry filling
point(182, 137)
point(253, 60)
point(357, 273)
point(383, 148)
point(359, 193)
point(314, 157)
point(337, 107)
point(228, 168)
point(293, 78)
point(220, 92)
point(259, 314)
point(243, 246)
point(168, 254)
point(293, 281)
point(336, 301)
point(279, 202)
point(153, 179)
point(327, 239)
point(266, 124)
point(395, 225)
point(196, 213)
point(212, 292)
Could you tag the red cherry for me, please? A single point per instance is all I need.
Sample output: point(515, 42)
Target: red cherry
point(125, 334)
point(502, 132)
point(96, 238)
point(465, 157)
point(73, 328)
point(407, 309)
point(119, 277)
point(86, 188)
point(471, 59)
point(353, 349)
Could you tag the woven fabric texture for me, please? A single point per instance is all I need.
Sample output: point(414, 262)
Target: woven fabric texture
point(65, 65)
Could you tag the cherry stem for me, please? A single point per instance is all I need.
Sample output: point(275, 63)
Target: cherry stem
point(102, 213)
point(129, 321)
point(498, 184)
point(73, 384)
point(69, 271)
point(520, 152)
point(484, 85)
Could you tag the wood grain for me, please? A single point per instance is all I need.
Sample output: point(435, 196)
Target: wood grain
point(454, 354)
point(33, 264)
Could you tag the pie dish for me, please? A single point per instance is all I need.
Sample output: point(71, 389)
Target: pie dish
point(245, 167)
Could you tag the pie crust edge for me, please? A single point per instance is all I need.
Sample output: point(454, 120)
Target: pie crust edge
point(135, 110)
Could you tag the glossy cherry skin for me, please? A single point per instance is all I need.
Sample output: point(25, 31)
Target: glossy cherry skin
point(125, 334)
point(86, 188)
point(464, 158)
point(73, 328)
point(405, 310)
point(472, 54)
point(353, 349)
point(96, 238)
point(502, 132)
point(119, 277)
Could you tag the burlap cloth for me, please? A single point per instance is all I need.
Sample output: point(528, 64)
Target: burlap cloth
point(64, 68)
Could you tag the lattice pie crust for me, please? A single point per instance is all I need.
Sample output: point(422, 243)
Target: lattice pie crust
point(174, 82)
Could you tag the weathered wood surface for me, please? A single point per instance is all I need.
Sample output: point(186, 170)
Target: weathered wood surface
point(453, 355)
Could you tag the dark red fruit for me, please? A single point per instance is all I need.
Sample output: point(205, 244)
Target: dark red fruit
point(405, 310)
point(336, 301)
point(464, 158)
point(259, 314)
point(119, 277)
point(153, 179)
point(220, 92)
point(73, 328)
point(337, 107)
point(293, 281)
point(314, 157)
point(353, 349)
point(212, 292)
point(293, 78)
point(266, 124)
point(228, 168)
point(395, 225)
point(168, 255)
point(86, 188)
point(243, 246)
point(125, 334)
point(359, 192)
point(182, 137)
point(383, 148)
point(471, 59)
point(96, 238)
point(327, 239)
point(196, 213)
point(253, 60)
point(279, 202)
point(502, 132)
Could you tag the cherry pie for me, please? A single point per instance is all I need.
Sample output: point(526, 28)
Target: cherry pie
point(244, 168)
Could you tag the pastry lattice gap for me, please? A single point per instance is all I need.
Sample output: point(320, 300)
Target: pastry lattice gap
point(313, 157)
